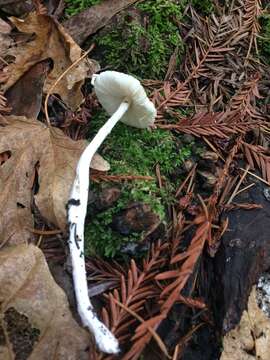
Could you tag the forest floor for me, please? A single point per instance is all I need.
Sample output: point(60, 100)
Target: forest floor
point(177, 228)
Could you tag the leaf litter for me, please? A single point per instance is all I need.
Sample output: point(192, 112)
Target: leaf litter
point(219, 80)
point(37, 170)
point(50, 41)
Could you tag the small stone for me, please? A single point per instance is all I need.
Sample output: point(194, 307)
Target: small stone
point(263, 293)
point(209, 178)
point(188, 165)
point(266, 193)
point(136, 218)
point(134, 248)
point(209, 155)
point(107, 198)
point(98, 202)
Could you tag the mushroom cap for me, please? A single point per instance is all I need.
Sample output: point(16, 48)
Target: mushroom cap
point(112, 88)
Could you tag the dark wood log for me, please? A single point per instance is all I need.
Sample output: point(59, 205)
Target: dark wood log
point(242, 257)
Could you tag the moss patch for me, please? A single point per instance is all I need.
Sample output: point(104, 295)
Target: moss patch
point(143, 39)
point(73, 7)
point(133, 151)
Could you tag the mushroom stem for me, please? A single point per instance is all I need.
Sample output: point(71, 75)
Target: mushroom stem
point(77, 207)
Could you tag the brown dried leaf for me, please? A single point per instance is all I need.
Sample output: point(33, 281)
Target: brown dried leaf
point(5, 43)
point(171, 95)
point(35, 318)
point(50, 41)
point(34, 147)
point(25, 96)
point(171, 274)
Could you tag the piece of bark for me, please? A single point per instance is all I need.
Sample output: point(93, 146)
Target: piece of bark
point(242, 257)
point(89, 21)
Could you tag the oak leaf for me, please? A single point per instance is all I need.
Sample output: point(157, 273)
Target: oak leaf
point(34, 149)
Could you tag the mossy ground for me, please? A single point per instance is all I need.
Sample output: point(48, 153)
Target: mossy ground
point(73, 7)
point(141, 43)
point(144, 39)
point(132, 151)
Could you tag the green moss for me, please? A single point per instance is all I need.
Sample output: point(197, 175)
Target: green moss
point(100, 238)
point(264, 40)
point(144, 50)
point(203, 7)
point(133, 151)
point(73, 7)
point(142, 41)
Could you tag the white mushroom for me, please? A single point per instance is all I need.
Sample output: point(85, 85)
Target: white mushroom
point(114, 88)
point(125, 99)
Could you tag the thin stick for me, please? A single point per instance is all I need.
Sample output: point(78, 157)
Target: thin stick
point(40, 238)
point(213, 148)
point(45, 232)
point(118, 178)
point(245, 188)
point(158, 175)
point(191, 181)
point(176, 352)
point(238, 185)
point(59, 79)
point(256, 177)
point(190, 175)
point(203, 206)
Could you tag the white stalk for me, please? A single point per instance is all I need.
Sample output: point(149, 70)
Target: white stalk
point(77, 207)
